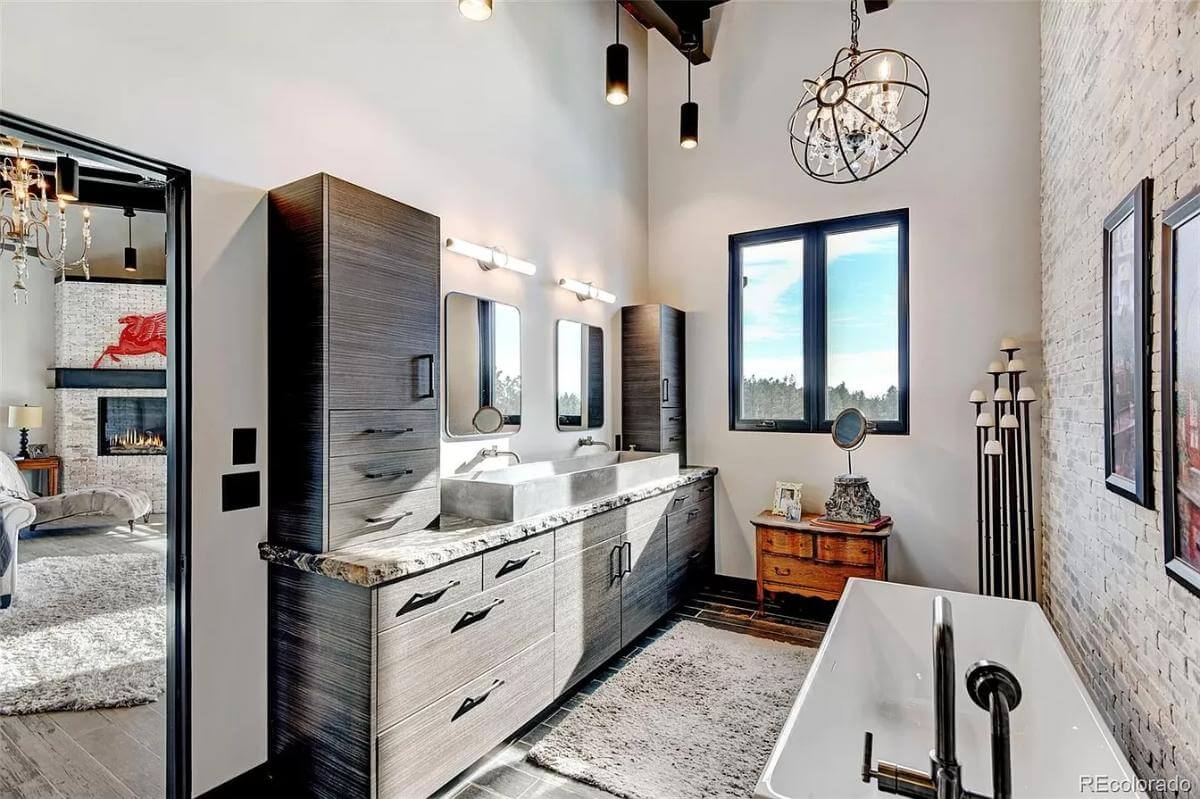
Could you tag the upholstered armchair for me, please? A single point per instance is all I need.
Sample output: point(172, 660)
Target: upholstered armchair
point(16, 513)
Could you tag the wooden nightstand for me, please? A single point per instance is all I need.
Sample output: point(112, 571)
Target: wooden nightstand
point(798, 558)
point(50, 464)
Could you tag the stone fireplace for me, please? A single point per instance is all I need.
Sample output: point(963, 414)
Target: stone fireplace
point(131, 426)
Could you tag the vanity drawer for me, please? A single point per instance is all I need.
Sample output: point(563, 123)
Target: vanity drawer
point(354, 477)
point(517, 559)
point(367, 432)
point(422, 660)
point(689, 547)
point(580, 535)
point(435, 744)
point(821, 578)
point(786, 542)
point(380, 517)
point(417, 596)
point(839, 549)
point(690, 494)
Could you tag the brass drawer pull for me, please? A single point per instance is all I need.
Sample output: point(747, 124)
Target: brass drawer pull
point(420, 599)
point(396, 473)
point(513, 564)
point(385, 431)
point(472, 702)
point(472, 616)
point(783, 572)
point(395, 517)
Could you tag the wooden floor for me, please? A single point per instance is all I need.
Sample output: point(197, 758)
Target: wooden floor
point(91, 753)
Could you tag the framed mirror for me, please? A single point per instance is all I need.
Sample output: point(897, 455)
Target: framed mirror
point(483, 367)
point(579, 384)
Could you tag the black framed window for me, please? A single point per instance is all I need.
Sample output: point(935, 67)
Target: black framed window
point(818, 322)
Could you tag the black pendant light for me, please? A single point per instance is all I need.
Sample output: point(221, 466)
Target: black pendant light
point(66, 178)
point(616, 72)
point(689, 117)
point(130, 251)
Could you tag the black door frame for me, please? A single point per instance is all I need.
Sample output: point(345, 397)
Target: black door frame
point(179, 423)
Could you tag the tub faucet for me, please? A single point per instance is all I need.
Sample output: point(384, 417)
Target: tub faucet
point(992, 687)
point(495, 452)
point(588, 441)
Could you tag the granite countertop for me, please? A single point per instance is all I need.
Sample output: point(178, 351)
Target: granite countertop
point(377, 562)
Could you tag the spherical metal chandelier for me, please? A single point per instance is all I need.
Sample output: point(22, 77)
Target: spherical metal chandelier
point(861, 114)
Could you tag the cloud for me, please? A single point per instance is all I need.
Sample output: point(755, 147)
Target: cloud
point(861, 242)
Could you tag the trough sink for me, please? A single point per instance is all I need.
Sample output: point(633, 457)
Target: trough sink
point(530, 489)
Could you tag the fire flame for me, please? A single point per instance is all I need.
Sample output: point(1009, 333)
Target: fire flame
point(136, 439)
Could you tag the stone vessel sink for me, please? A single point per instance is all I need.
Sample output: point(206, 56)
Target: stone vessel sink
point(530, 489)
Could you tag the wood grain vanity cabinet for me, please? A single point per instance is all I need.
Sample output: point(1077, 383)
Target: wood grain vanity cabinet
point(353, 285)
point(653, 400)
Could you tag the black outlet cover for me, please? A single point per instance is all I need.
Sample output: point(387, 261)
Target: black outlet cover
point(245, 446)
point(239, 491)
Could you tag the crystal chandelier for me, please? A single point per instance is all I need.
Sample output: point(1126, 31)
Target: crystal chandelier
point(25, 216)
point(859, 115)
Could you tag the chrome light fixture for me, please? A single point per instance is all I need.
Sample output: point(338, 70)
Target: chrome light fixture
point(616, 67)
point(25, 216)
point(586, 291)
point(861, 114)
point(475, 10)
point(490, 258)
point(689, 116)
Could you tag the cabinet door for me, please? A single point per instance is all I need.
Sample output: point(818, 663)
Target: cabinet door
point(689, 549)
point(383, 302)
point(587, 611)
point(671, 357)
point(644, 595)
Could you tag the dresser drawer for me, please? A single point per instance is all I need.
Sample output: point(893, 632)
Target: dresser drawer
point(421, 661)
point(367, 432)
point(580, 535)
point(786, 542)
point(417, 596)
point(362, 476)
point(435, 744)
point(839, 549)
point(380, 517)
point(516, 559)
point(823, 578)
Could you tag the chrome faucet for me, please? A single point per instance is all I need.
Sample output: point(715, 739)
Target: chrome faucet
point(588, 441)
point(992, 687)
point(495, 452)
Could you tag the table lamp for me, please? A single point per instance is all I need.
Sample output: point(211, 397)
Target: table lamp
point(24, 417)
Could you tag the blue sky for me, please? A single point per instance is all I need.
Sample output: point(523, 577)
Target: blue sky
point(862, 307)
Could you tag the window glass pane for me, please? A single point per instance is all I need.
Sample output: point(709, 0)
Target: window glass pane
point(863, 324)
point(506, 391)
point(773, 331)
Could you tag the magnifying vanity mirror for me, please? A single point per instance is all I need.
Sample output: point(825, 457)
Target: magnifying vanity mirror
point(579, 400)
point(483, 367)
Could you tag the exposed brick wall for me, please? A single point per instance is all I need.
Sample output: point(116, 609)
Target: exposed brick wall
point(1120, 101)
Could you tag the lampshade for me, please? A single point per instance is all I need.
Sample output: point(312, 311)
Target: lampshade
point(1009, 345)
point(29, 416)
point(995, 368)
point(1026, 394)
point(1009, 422)
point(984, 420)
point(1003, 395)
point(66, 178)
point(977, 396)
point(1017, 366)
point(994, 448)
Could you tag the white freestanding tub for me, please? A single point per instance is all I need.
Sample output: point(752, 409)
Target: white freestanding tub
point(874, 672)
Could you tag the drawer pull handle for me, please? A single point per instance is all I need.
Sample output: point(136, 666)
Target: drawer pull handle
point(472, 702)
point(472, 616)
point(628, 563)
point(666, 393)
point(387, 431)
point(395, 517)
point(395, 473)
point(512, 564)
point(782, 572)
point(672, 438)
point(673, 418)
point(705, 489)
point(421, 599)
point(692, 557)
point(680, 499)
point(693, 513)
point(615, 573)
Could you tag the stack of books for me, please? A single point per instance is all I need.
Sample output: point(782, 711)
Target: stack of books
point(851, 527)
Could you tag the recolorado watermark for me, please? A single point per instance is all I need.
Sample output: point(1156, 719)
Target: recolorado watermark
point(1102, 783)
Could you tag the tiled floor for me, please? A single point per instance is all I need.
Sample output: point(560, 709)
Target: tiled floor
point(508, 775)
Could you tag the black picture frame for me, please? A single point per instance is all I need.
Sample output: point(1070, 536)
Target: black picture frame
point(1184, 212)
point(1131, 423)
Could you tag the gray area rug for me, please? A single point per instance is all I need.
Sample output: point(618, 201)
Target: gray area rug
point(84, 632)
point(695, 714)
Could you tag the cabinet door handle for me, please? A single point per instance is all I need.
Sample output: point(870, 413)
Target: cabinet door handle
point(782, 572)
point(512, 564)
point(472, 616)
point(679, 499)
point(693, 513)
point(387, 431)
point(666, 389)
point(472, 702)
point(420, 599)
point(673, 438)
point(705, 489)
point(395, 517)
point(673, 418)
point(614, 574)
point(629, 562)
point(431, 393)
point(394, 473)
point(694, 556)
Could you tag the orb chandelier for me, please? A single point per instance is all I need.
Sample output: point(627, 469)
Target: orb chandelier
point(25, 216)
point(861, 114)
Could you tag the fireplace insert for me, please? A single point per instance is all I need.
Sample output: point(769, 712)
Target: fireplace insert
point(132, 425)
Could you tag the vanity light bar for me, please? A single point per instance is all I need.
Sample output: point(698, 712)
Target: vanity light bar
point(490, 257)
point(586, 291)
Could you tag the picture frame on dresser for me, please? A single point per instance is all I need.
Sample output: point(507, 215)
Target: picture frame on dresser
point(1128, 447)
point(1181, 390)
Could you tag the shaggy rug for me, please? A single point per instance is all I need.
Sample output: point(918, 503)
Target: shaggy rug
point(84, 632)
point(695, 714)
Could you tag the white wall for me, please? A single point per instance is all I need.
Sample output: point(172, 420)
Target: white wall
point(971, 182)
point(499, 128)
point(26, 352)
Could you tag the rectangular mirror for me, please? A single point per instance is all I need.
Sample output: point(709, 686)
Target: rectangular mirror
point(580, 377)
point(483, 367)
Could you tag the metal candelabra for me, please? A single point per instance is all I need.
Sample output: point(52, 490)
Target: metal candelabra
point(1004, 481)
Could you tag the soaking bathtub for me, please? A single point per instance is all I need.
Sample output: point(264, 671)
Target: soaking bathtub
point(874, 672)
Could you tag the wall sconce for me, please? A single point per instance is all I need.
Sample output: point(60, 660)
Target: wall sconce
point(490, 258)
point(586, 291)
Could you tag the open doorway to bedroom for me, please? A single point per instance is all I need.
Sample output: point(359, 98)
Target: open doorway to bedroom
point(93, 468)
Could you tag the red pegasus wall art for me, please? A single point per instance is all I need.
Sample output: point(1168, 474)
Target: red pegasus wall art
point(141, 335)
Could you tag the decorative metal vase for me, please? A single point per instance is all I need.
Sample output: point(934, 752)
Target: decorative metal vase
point(852, 500)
